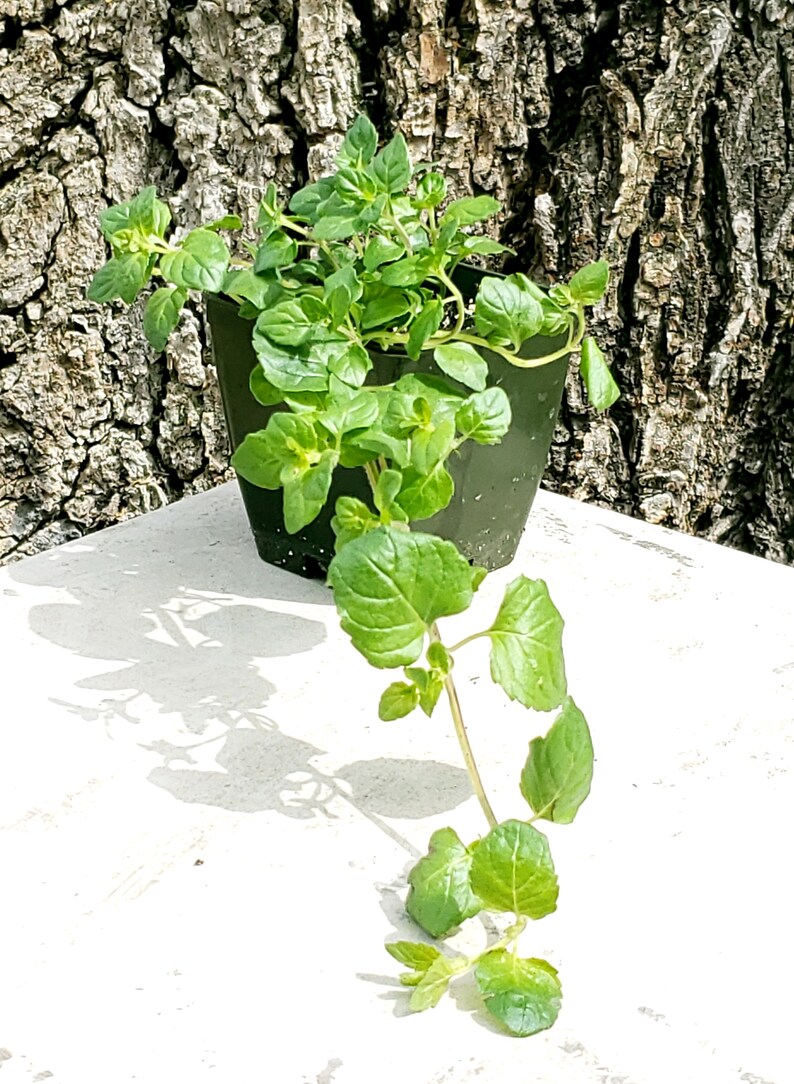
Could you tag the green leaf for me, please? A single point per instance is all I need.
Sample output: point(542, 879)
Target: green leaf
point(269, 213)
point(306, 202)
point(589, 284)
point(352, 520)
point(336, 227)
point(559, 769)
point(226, 222)
point(431, 447)
point(423, 495)
point(413, 954)
point(503, 307)
point(429, 684)
point(410, 271)
point(484, 246)
point(525, 995)
point(291, 370)
point(512, 870)
point(431, 189)
point(602, 391)
point(278, 250)
point(443, 398)
point(144, 213)
point(358, 412)
point(391, 167)
point(262, 291)
point(255, 461)
point(306, 491)
point(439, 658)
point(387, 489)
point(404, 414)
point(423, 326)
point(262, 390)
point(478, 575)
point(381, 250)
point(355, 184)
point(352, 366)
point(161, 314)
point(526, 646)
point(199, 264)
point(485, 416)
point(440, 897)
point(470, 209)
point(462, 362)
point(286, 324)
point(391, 585)
point(382, 307)
point(398, 700)
point(435, 981)
point(360, 143)
point(122, 276)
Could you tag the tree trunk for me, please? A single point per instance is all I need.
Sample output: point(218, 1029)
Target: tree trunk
point(656, 135)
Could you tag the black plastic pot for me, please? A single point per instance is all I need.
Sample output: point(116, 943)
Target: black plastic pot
point(494, 485)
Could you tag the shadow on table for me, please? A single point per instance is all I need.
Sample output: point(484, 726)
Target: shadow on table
point(184, 659)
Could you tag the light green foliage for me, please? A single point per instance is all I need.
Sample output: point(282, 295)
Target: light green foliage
point(362, 263)
point(559, 769)
point(441, 896)
point(391, 585)
point(526, 646)
point(512, 870)
point(525, 995)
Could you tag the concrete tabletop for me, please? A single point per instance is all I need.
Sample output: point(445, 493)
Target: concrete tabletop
point(206, 828)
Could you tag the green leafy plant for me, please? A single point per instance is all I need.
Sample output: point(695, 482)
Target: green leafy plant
point(361, 262)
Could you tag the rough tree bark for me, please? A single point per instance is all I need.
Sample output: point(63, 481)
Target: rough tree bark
point(657, 134)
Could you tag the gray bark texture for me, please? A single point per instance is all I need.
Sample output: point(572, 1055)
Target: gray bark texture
point(656, 134)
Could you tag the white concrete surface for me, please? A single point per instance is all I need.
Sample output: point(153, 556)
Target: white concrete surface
point(206, 827)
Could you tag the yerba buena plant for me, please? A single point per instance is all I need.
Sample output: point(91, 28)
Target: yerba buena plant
point(358, 263)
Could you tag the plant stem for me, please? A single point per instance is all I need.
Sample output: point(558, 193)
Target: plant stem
point(372, 476)
point(465, 746)
point(466, 640)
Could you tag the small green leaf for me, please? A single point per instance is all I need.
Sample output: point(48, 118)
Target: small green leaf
point(357, 412)
point(306, 202)
point(423, 495)
point(512, 870)
point(404, 414)
point(439, 658)
point(413, 954)
point(398, 700)
point(269, 211)
point(387, 489)
point(286, 324)
point(161, 314)
point(306, 491)
point(410, 271)
point(470, 209)
point(589, 284)
point(441, 897)
point(602, 391)
point(435, 982)
point(352, 366)
point(383, 307)
point(430, 685)
point(352, 520)
point(501, 306)
point(484, 246)
point(227, 222)
point(423, 327)
point(485, 416)
point(278, 250)
point(526, 646)
point(360, 143)
point(391, 585)
point(391, 167)
point(199, 264)
point(355, 184)
point(337, 227)
point(255, 461)
point(462, 362)
point(559, 770)
point(262, 390)
point(381, 250)
point(262, 291)
point(478, 575)
point(144, 213)
point(431, 189)
point(525, 995)
point(122, 276)
point(290, 369)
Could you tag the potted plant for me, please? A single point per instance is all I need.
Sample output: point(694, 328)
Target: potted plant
point(382, 361)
